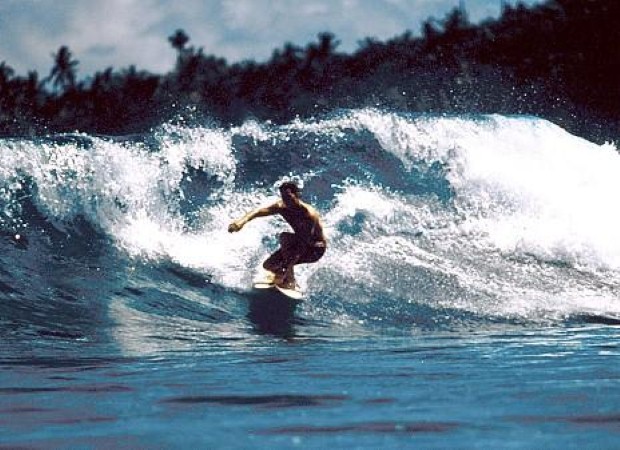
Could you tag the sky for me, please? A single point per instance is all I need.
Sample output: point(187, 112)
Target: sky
point(120, 33)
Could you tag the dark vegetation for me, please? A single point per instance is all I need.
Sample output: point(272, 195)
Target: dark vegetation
point(559, 60)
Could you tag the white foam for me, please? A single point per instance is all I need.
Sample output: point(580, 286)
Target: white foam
point(528, 185)
point(532, 222)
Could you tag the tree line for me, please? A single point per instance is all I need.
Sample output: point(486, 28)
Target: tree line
point(559, 60)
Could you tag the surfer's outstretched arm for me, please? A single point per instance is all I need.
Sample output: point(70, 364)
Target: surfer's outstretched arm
point(270, 210)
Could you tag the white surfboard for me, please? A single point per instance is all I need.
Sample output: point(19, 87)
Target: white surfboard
point(292, 294)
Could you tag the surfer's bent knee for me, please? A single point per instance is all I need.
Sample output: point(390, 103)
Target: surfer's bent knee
point(285, 237)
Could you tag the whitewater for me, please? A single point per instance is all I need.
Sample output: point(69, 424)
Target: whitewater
point(469, 295)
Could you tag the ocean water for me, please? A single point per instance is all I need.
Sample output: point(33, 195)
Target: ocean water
point(469, 297)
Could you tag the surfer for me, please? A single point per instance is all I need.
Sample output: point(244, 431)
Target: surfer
point(306, 245)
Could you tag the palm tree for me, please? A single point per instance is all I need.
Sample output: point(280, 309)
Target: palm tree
point(178, 40)
point(63, 73)
point(6, 73)
point(327, 44)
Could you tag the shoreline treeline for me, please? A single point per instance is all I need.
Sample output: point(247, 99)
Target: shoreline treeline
point(559, 60)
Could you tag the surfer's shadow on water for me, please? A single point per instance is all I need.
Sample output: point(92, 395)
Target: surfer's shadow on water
point(268, 312)
point(272, 315)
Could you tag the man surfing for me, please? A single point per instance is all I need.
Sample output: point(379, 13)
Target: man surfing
point(306, 245)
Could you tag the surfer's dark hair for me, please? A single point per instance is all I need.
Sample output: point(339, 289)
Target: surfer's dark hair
point(290, 186)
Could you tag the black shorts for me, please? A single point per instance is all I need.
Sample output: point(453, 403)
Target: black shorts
point(291, 247)
point(310, 253)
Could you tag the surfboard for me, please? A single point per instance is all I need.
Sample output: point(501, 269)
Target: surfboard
point(292, 294)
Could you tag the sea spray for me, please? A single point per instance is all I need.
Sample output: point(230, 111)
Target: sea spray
point(491, 215)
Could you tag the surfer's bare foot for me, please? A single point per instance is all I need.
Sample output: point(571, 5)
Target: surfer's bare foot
point(280, 277)
point(270, 278)
point(287, 279)
point(287, 284)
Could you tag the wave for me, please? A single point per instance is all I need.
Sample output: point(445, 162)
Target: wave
point(427, 216)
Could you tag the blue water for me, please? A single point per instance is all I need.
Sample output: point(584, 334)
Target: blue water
point(469, 297)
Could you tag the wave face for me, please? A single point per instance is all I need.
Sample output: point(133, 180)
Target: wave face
point(431, 220)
